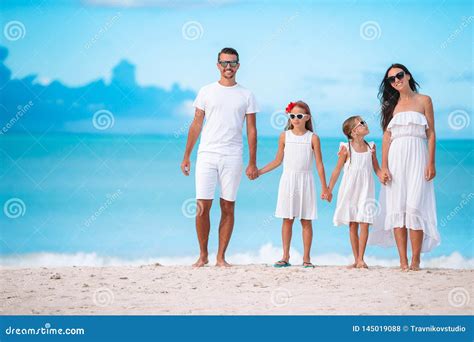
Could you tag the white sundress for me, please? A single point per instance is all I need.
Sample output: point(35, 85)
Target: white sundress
point(296, 192)
point(408, 200)
point(356, 195)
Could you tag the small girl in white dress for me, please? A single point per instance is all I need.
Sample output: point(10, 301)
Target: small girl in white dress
point(356, 204)
point(297, 146)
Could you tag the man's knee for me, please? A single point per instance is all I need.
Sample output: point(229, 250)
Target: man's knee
point(227, 207)
point(203, 207)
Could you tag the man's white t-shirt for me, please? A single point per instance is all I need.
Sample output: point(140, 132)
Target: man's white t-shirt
point(225, 109)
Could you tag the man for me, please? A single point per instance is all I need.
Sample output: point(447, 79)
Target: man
point(225, 105)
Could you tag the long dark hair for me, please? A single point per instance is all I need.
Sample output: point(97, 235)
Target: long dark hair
point(389, 96)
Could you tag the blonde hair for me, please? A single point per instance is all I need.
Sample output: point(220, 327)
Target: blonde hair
point(308, 124)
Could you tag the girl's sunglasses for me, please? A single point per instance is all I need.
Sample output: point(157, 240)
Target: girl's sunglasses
point(297, 116)
point(224, 64)
point(361, 123)
point(398, 76)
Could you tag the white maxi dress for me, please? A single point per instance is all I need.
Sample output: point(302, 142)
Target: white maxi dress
point(408, 200)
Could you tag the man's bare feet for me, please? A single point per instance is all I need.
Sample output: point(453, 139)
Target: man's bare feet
point(202, 261)
point(352, 265)
point(222, 263)
point(361, 264)
point(404, 268)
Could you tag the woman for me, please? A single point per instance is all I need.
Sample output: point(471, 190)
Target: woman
point(407, 199)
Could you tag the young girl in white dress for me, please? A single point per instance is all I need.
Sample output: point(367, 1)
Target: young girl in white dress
point(297, 146)
point(356, 205)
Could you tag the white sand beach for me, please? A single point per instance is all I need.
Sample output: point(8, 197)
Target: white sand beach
point(239, 290)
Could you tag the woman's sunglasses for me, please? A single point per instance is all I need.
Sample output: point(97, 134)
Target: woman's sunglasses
point(398, 76)
point(224, 64)
point(297, 116)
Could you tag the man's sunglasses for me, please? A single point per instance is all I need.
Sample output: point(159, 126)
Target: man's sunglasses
point(398, 76)
point(224, 64)
point(297, 116)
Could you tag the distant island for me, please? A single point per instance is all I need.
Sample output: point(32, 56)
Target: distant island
point(55, 107)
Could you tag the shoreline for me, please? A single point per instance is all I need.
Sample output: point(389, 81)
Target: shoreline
point(255, 289)
point(266, 254)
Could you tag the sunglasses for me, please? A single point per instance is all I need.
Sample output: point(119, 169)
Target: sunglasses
point(297, 116)
point(361, 123)
point(224, 64)
point(398, 76)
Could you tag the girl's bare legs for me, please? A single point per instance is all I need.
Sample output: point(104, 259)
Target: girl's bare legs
point(354, 236)
point(364, 234)
point(416, 239)
point(307, 239)
point(286, 231)
point(401, 240)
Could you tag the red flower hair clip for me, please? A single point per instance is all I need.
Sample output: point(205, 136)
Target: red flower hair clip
point(290, 106)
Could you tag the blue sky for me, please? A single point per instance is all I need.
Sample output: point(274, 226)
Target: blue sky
point(332, 54)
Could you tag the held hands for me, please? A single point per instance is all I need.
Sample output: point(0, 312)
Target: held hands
point(252, 171)
point(385, 176)
point(326, 195)
point(380, 176)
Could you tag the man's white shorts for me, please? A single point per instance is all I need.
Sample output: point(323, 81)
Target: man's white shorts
point(213, 168)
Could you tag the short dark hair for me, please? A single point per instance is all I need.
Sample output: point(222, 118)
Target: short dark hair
point(229, 51)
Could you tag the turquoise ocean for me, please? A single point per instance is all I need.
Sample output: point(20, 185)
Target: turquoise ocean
point(84, 199)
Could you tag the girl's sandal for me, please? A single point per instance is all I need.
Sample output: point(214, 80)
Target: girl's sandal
point(308, 265)
point(282, 263)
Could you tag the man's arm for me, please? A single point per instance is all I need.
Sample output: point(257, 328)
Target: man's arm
point(252, 171)
point(193, 135)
